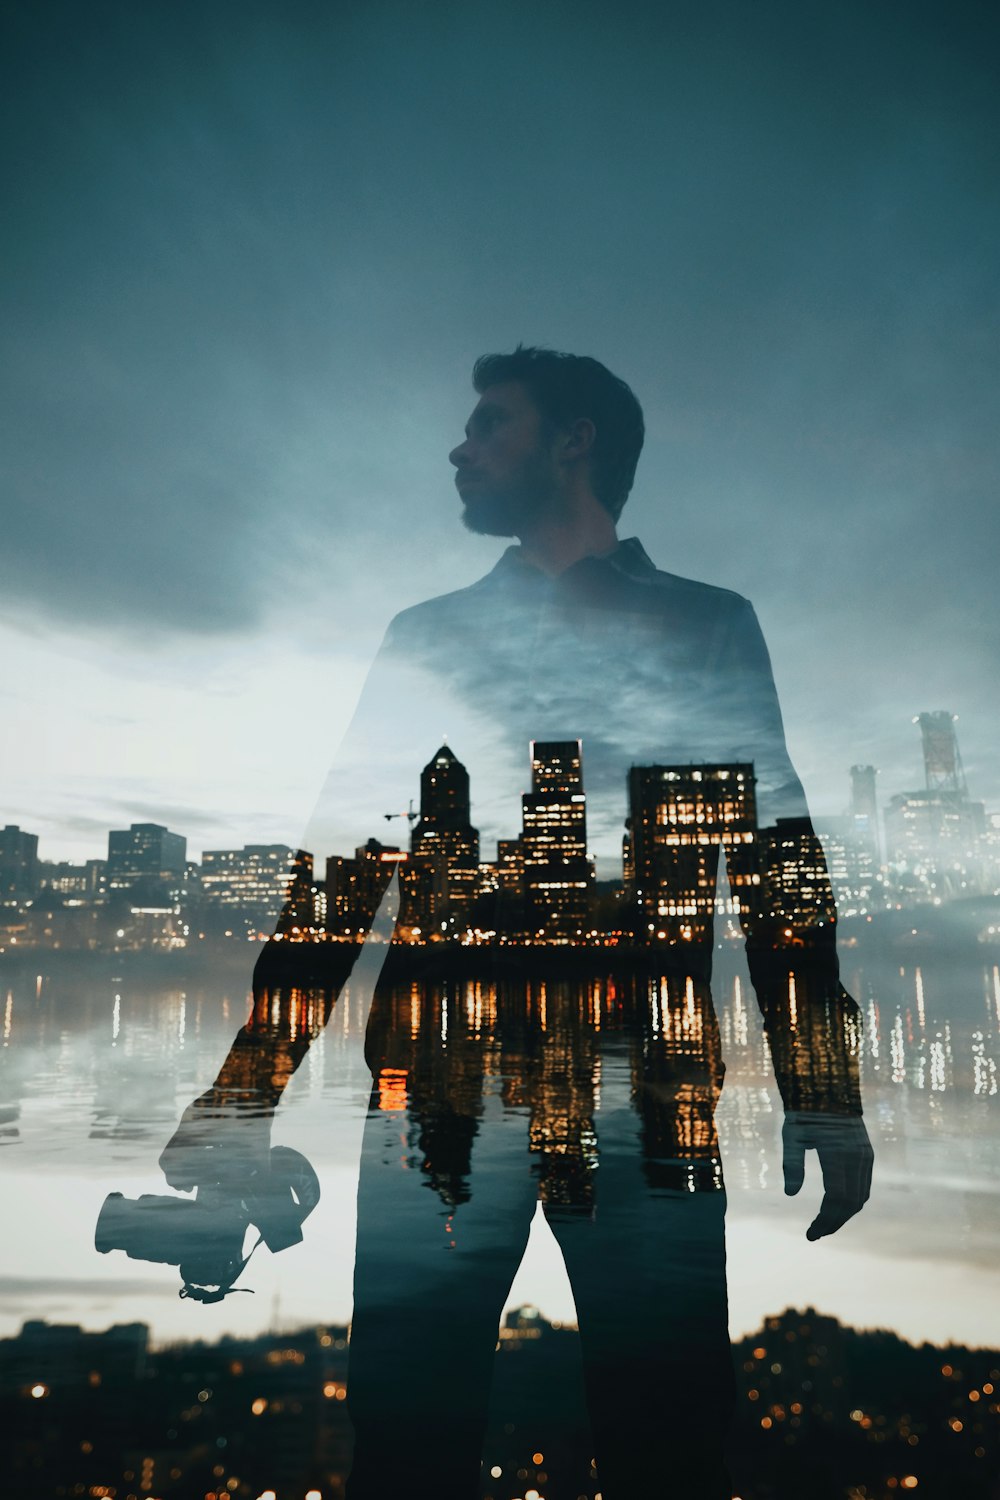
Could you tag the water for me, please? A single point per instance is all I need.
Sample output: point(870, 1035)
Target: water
point(96, 1070)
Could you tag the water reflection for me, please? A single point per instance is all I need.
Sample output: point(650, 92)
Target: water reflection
point(117, 1058)
point(94, 1072)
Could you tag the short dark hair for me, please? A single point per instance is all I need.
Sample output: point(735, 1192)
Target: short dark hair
point(566, 387)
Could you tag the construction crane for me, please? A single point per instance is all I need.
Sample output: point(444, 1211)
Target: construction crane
point(410, 816)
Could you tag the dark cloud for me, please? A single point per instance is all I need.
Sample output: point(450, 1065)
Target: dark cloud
point(69, 1288)
point(257, 252)
point(83, 823)
point(178, 815)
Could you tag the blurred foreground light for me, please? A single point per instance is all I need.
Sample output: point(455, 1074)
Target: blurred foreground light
point(38, 1391)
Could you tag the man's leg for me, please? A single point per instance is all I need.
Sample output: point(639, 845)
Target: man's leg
point(430, 1283)
point(648, 1272)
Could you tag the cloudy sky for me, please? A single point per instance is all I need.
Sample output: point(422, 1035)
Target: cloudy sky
point(253, 250)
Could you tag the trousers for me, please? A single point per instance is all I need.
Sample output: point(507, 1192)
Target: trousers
point(646, 1263)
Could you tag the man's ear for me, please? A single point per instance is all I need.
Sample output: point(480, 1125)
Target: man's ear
point(577, 440)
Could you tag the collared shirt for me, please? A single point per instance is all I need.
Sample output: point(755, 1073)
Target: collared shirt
point(645, 670)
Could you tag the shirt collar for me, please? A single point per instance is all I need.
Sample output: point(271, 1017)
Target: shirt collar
point(629, 558)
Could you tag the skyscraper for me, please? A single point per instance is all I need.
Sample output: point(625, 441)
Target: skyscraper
point(676, 815)
point(442, 876)
point(935, 836)
point(935, 844)
point(794, 873)
point(942, 762)
point(354, 887)
point(852, 865)
point(557, 874)
point(510, 865)
point(864, 807)
point(300, 913)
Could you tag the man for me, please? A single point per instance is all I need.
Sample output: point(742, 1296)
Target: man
point(592, 1092)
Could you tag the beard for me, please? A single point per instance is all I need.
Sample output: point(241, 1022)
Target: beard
point(497, 514)
point(509, 509)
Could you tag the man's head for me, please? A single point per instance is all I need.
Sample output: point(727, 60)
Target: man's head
point(545, 422)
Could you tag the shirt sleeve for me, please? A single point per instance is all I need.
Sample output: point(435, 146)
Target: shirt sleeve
point(786, 904)
point(369, 776)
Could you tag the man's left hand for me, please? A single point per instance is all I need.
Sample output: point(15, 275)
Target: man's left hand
point(845, 1158)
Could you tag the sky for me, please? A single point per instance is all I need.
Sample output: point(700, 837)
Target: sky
point(253, 251)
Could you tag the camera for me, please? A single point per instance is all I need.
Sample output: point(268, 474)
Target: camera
point(205, 1236)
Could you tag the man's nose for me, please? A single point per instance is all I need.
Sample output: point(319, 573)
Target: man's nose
point(459, 456)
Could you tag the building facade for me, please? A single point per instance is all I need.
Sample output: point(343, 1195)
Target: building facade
point(557, 875)
point(677, 817)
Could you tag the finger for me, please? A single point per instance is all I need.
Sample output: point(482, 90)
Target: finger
point(181, 1161)
point(847, 1182)
point(833, 1215)
point(848, 1169)
point(177, 1170)
point(793, 1162)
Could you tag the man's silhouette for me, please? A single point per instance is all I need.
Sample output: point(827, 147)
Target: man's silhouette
point(593, 1091)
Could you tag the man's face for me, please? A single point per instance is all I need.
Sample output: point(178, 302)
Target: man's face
point(506, 471)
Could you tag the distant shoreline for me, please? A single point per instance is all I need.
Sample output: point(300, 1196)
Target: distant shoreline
point(952, 933)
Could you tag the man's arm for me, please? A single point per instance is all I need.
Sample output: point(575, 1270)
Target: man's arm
point(226, 1130)
point(788, 915)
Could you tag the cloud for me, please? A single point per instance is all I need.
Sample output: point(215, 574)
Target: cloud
point(254, 267)
point(254, 263)
point(14, 1287)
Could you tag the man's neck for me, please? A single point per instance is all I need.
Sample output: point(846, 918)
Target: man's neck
point(555, 542)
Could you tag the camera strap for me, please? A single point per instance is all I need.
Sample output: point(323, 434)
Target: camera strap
point(205, 1294)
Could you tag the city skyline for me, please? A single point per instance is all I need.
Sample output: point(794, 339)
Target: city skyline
point(72, 841)
point(846, 805)
point(927, 844)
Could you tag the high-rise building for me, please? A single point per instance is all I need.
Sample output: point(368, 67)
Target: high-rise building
point(935, 838)
point(354, 887)
point(942, 762)
point(341, 873)
point(852, 864)
point(935, 844)
point(145, 851)
point(510, 865)
point(677, 814)
point(249, 887)
point(558, 877)
point(864, 807)
point(441, 878)
point(794, 874)
point(303, 911)
point(18, 863)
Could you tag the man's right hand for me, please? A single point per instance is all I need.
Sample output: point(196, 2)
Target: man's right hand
point(845, 1156)
point(220, 1138)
